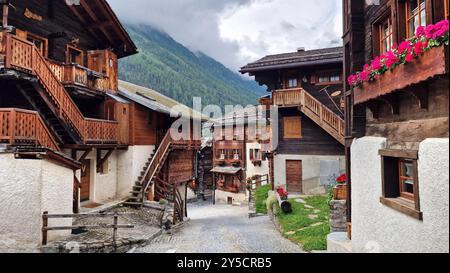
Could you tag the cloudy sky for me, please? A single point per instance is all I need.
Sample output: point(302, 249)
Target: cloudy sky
point(236, 32)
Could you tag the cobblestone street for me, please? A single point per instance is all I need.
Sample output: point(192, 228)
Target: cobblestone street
point(222, 229)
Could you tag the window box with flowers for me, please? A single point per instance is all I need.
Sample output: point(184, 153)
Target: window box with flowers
point(415, 60)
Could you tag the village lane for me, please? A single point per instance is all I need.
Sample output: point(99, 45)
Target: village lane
point(222, 229)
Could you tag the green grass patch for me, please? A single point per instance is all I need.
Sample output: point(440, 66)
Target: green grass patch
point(261, 196)
point(308, 224)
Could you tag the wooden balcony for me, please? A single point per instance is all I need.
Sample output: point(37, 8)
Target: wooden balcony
point(287, 97)
point(25, 128)
point(432, 63)
point(79, 76)
point(21, 55)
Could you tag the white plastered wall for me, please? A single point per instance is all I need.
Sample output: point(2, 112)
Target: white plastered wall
point(252, 170)
point(27, 189)
point(378, 228)
point(310, 170)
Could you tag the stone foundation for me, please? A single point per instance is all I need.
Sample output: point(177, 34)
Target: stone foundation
point(338, 216)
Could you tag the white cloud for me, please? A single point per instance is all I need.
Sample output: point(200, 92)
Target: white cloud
point(236, 32)
point(277, 26)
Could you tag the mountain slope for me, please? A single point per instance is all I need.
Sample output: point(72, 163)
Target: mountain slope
point(167, 66)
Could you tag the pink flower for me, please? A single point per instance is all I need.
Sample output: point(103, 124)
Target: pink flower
point(405, 45)
point(367, 68)
point(363, 76)
point(409, 57)
point(391, 59)
point(352, 79)
point(376, 64)
point(420, 31)
point(418, 48)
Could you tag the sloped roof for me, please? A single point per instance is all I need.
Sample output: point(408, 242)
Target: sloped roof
point(152, 99)
point(99, 19)
point(296, 59)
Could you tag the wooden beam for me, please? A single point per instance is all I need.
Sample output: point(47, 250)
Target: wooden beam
point(5, 16)
point(101, 160)
point(94, 18)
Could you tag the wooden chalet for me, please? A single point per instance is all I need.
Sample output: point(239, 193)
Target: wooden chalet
point(306, 93)
point(397, 128)
point(60, 93)
point(237, 152)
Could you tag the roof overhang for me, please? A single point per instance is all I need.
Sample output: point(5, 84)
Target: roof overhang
point(245, 69)
point(226, 170)
point(101, 21)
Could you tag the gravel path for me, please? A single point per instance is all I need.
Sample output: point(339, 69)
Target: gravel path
point(222, 229)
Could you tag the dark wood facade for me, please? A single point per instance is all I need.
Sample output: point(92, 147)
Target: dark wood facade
point(307, 89)
point(407, 104)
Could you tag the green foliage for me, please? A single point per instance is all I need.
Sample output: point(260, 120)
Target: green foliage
point(302, 229)
point(170, 68)
point(260, 199)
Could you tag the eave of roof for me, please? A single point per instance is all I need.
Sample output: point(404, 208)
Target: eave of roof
point(296, 59)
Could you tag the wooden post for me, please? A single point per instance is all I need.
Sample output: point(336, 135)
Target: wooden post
point(214, 188)
point(12, 128)
point(44, 227)
point(5, 16)
point(116, 222)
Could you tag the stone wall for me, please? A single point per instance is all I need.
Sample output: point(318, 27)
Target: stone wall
point(338, 216)
point(27, 189)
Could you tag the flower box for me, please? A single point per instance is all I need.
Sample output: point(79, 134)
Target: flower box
point(340, 192)
point(433, 62)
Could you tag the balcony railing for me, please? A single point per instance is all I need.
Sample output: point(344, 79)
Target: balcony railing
point(432, 63)
point(21, 55)
point(77, 75)
point(24, 127)
point(287, 97)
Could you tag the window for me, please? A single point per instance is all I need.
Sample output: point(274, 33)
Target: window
point(386, 35)
point(406, 178)
point(39, 42)
point(292, 127)
point(416, 15)
point(74, 56)
point(255, 154)
point(221, 154)
point(292, 83)
point(329, 77)
point(236, 154)
point(400, 181)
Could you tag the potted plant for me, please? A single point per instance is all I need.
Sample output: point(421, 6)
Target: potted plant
point(283, 197)
point(340, 190)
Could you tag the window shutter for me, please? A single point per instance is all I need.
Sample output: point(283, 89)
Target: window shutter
point(292, 127)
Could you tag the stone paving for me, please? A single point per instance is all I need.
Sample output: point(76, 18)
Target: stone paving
point(222, 229)
point(145, 222)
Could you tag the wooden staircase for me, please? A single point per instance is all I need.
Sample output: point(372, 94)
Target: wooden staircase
point(149, 177)
point(50, 98)
point(328, 120)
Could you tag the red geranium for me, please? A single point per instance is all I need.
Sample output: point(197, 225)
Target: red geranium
point(282, 192)
point(342, 179)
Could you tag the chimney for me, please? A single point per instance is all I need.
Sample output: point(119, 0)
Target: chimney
point(301, 49)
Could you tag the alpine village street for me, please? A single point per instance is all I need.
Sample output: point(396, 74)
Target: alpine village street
point(238, 127)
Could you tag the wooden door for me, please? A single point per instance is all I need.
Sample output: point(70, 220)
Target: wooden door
point(294, 176)
point(85, 181)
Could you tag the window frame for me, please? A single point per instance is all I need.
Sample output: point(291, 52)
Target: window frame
point(393, 195)
point(383, 37)
point(446, 9)
point(409, 17)
point(68, 55)
point(328, 75)
point(44, 42)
